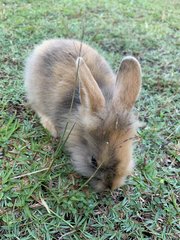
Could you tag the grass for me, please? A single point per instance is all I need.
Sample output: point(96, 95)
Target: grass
point(38, 202)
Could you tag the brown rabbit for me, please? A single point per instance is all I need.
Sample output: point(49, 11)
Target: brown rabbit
point(101, 124)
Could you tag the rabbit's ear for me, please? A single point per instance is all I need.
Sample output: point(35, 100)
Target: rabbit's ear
point(128, 83)
point(91, 96)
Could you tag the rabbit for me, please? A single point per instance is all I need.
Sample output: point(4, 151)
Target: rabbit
point(68, 81)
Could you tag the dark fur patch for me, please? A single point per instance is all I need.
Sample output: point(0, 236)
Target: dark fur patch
point(55, 56)
point(63, 106)
point(68, 100)
point(49, 59)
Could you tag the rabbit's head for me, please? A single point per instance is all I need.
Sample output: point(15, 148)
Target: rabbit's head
point(101, 149)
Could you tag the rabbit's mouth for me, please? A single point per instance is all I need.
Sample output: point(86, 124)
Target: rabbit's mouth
point(100, 185)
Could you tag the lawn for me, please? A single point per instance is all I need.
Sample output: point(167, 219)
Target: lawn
point(41, 197)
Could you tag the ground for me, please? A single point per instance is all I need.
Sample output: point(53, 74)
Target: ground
point(41, 197)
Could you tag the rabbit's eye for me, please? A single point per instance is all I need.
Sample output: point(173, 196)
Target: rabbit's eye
point(93, 161)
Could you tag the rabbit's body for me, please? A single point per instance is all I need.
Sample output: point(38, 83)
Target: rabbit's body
point(100, 122)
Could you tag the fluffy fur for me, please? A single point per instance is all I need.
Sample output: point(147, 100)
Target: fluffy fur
point(101, 123)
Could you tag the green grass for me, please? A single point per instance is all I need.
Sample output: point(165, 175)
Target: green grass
point(41, 203)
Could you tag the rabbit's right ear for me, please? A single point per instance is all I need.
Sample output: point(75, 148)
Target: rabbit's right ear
point(91, 96)
point(128, 83)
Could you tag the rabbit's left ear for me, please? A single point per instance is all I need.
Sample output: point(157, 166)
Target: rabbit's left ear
point(128, 83)
point(91, 96)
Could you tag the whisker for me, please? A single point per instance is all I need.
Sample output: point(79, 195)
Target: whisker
point(126, 140)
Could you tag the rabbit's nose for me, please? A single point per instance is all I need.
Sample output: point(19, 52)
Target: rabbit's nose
point(109, 186)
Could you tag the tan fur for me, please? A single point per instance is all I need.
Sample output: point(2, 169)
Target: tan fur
point(125, 167)
point(101, 123)
point(128, 83)
point(49, 126)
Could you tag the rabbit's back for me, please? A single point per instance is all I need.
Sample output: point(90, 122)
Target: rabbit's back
point(50, 74)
